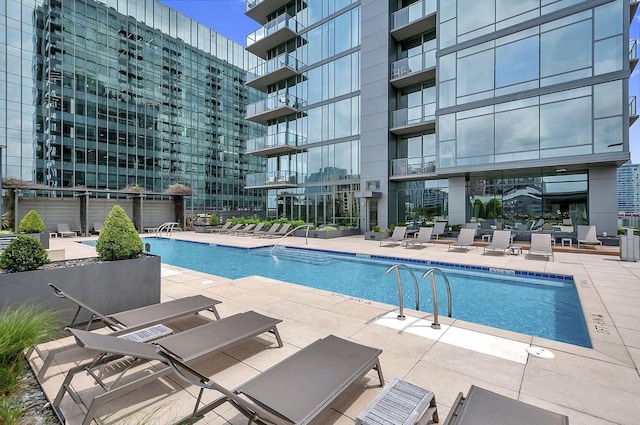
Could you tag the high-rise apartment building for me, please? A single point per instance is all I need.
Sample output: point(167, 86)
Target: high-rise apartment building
point(116, 94)
point(381, 112)
point(629, 188)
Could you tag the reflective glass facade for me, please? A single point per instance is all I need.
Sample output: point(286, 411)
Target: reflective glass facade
point(318, 174)
point(531, 111)
point(126, 93)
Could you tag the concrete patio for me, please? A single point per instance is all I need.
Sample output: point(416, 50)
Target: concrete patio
point(591, 386)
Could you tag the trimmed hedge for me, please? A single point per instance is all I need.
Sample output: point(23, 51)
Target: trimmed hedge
point(118, 238)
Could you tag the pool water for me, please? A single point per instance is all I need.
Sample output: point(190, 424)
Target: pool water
point(531, 303)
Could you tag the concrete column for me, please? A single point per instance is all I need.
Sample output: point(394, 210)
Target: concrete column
point(603, 199)
point(457, 200)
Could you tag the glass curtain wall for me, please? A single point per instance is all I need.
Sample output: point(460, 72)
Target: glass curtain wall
point(555, 202)
point(328, 127)
point(133, 95)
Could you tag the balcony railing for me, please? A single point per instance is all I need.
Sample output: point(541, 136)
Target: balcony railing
point(414, 66)
point(258, 10)
point(272, 180)
point(413, 116)
point(413, 166)
point(633, 54)
point(272, 34)
point(274, 106)
point(413, 13)
point(273, 70)
point(285, 141)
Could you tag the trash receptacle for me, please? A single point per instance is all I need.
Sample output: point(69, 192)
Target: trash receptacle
point(629, 246)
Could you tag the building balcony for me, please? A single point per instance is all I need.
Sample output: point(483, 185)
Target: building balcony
point(272, 34)
point(272, 180)
point(633, 54)
point(414, 69)
point(633, 111)
point(274, 70)
point(414, 19)
point(413, 168)
point(414, 119)
point(259, 10)
point(633, 7)
point(274, 106)
point(274, 144)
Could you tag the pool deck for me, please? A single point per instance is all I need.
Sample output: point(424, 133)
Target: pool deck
point(591, 386)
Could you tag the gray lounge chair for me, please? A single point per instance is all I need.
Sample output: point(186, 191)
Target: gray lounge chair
point(231, 229)
point(249, 232)
point(541, 245)
point(224, 228)
point(438, 229)
point(174, 352)
point(63, 230)
point(298, 389)
point(465, 239)
point(247, 228)
point(500, 241)
point(423, 236)
point(396, 237)
point(484, 407)
point(587, 236)
point(131, 320)
point(273, 229)
point(279, 233)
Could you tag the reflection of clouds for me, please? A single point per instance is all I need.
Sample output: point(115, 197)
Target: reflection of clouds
point(566, 123)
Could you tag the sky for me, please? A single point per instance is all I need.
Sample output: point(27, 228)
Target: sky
point(227, 17)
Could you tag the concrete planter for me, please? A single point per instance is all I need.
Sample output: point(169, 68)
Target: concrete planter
point(108, 287)
point(376, 236)
point(335, 233)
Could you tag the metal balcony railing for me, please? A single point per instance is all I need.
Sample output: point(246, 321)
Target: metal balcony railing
point(411, 65)
point(414, 115)
point(632, 106)
point(273, 26)
point(273, 179)
point(411, 166)
point(413, 12)
point(274, 102)
point(284, 141)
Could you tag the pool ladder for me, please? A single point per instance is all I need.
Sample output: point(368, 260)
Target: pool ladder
point(431, 272)
point(166, 228)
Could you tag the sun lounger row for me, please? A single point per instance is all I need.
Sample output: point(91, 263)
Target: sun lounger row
point(255, 230)
point(295, 391)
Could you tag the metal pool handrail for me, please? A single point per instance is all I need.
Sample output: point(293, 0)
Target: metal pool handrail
point(306, 236)
point(397, 268)
point(431, 272)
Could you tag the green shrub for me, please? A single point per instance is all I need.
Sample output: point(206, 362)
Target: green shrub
point(24, 253)
point(24, 326)
point(214, 220)
point(327, 228)
point(31, 223)
point(10, 411)
point(118, 238)
point(21, 327)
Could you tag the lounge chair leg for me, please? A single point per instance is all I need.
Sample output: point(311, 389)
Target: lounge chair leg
point(379, 370)
point(277, 334)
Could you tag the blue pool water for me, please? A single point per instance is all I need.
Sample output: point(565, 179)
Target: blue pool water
point(531, 303)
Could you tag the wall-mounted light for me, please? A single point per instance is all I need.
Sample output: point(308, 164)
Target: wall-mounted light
point(561, 170)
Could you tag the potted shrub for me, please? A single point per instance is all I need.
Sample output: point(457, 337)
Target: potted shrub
point(118, 239)
point(33, 225)
point(376, 234)
point(24, 253)
point(122, 278)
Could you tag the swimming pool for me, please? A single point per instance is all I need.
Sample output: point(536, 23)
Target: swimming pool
point(537, 304)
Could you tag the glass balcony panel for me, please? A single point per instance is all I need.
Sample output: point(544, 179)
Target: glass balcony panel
point(274, 106)
point(404, 167)
point(280, 142)
point(273, 70)
point(272, 34)
point(413, 13)
point(414, 67)
point(273, 179)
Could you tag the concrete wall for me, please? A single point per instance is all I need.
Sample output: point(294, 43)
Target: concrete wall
point(603, 199)
point(374, 85)
point(457, 200)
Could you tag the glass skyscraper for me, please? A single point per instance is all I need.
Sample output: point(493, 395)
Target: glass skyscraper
point(384, 112)
point(125, 94)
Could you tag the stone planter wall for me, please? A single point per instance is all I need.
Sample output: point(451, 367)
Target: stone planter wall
point(108, 287)
point(376, 236)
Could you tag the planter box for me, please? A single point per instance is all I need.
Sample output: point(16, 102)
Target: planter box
point(376, 236)
point(108, 287)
